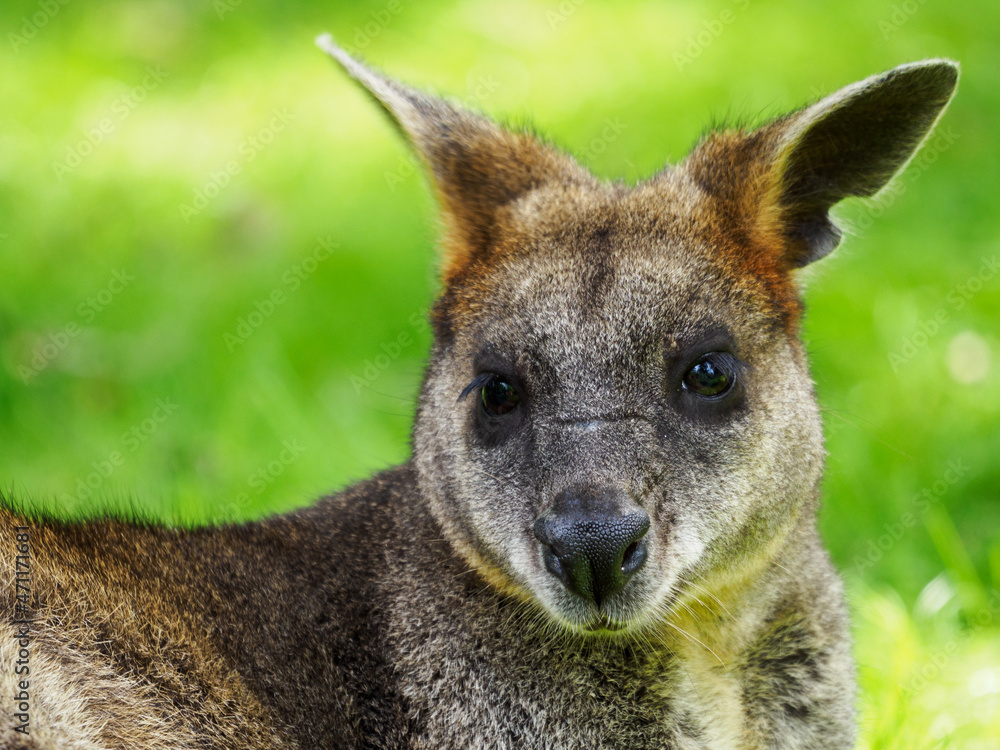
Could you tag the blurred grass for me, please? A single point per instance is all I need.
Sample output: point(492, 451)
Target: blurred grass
point(903, 339)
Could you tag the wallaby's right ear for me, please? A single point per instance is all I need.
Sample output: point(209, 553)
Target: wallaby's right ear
point(476, 166)
point(785, 177)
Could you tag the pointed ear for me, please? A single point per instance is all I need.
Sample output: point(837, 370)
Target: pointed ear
point(783, 178)
point(476, 166)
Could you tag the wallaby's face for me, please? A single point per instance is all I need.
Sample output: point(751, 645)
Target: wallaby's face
point(617, 405)
point(604, 313)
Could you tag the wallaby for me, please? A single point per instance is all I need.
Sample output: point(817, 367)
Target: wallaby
point(606, 535)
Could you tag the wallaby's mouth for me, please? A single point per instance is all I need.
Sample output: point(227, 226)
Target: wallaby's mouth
point(602, 623)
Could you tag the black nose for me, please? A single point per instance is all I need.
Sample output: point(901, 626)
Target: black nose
point(593, 540)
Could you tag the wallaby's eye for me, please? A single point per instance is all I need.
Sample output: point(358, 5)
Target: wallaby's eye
point(499, 396)
point(712, 376)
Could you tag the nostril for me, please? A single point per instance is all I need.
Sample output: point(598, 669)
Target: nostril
point(634, 557)
point(629, 551)
point(553, 564)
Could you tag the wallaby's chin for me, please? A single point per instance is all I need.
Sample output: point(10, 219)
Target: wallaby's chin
point(627, 613)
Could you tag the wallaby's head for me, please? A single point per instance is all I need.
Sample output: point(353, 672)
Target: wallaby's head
point(617, 401)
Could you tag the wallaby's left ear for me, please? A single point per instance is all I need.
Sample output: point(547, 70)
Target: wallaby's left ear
point(476, 166)
point(791, 172)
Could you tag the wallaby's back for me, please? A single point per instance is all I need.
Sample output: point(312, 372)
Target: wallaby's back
point(249, 636)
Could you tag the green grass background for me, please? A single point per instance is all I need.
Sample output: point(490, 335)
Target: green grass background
point(925, 603)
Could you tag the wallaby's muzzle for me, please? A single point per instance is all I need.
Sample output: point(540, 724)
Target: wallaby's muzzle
point(592, 540)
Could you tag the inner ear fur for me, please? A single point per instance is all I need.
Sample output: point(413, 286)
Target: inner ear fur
point(476, 166)
point(781, 180)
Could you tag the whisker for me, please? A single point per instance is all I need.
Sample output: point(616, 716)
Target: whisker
point(775, 562)
point(709, 593)
point(481, 470)
point(694, 640)
point(691, 611)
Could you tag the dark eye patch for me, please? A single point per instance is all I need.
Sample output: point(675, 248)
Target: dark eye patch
point(705, 377)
